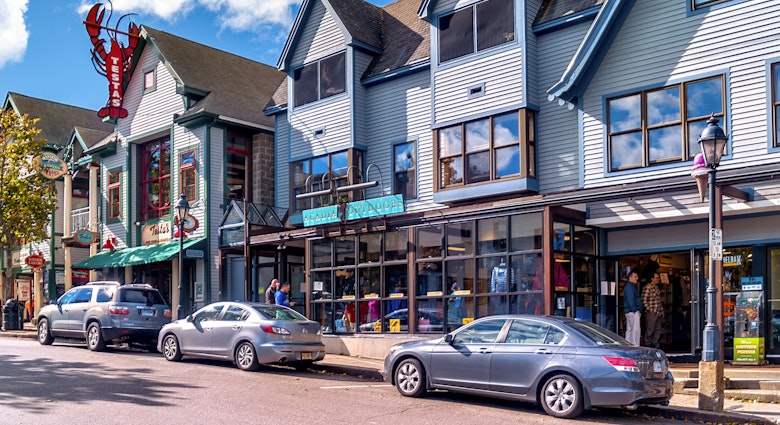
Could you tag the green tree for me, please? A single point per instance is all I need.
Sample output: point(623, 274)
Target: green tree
point(27, 199)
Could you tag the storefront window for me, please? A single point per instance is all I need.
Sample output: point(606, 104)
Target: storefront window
point(321, 253)
point(345, 251)
point(396, 245)
point(370, 248)
point(526, 232)
point(492, 236)
point(460, 239)
point(774, 300)
point(429, 241)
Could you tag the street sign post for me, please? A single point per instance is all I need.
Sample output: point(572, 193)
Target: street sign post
point(716, 244)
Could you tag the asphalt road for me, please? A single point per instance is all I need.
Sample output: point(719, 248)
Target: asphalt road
point(68, 384)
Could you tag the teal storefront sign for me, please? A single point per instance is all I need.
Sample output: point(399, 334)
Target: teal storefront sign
point(354, 210)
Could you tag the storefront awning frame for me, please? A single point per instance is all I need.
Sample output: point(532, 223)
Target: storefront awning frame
point(138, 255)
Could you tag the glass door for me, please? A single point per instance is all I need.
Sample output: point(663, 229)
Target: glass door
point(606, 298)
point(774, 301)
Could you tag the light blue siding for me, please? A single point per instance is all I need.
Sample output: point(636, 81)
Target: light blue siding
point(399, 112)
point(331, 115)
point(558, 143)
point(502, 76)
point(736, 39)
point(360, 105)
point(216, 179)
point(282, 165)
point(321, 36)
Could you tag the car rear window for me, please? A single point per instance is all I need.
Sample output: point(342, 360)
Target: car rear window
point(597, 334)
point(278, 313)
point(141, 296)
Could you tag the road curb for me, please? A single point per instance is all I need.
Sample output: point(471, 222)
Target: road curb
point(365, 373)
point(702, 416)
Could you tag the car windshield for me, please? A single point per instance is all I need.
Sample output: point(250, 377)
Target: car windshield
point(279, 313)
point(140, 296)
point(598, 334)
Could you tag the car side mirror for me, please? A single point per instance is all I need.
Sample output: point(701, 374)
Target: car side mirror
point(448, 339)
point(190, 318)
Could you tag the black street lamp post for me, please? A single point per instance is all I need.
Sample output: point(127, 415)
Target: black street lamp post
point(182, 209)
point(712, 141)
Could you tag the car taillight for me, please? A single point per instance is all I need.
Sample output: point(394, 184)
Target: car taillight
point(118, 310)
point(274, 330)
point(624, 364)
point(167, 313)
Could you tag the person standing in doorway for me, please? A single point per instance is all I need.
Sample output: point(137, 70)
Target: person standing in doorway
point(270, 293)
point(632, 306)
point(654, 312)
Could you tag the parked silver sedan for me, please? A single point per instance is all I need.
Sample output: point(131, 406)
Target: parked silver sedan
point(248, 334)
point(566, 365)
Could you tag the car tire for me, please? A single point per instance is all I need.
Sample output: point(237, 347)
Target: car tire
point(95, 341)
point(170, 348)
point(246, 357)
point(44, 333)
point(561, 397)
point(410, 378)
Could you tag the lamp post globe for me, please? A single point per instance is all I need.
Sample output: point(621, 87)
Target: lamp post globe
point(182, 209)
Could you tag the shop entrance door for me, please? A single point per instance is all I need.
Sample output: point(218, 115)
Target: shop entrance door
point(773, 302)
point(606, 302)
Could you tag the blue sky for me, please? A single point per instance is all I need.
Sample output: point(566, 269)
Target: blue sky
point(44, 47)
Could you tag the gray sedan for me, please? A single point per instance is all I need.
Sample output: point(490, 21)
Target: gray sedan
point(566, 365)
point(248, 334)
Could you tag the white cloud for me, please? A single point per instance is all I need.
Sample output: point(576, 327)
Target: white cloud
point(236, 15)
point(13, 31)
point(251, 15)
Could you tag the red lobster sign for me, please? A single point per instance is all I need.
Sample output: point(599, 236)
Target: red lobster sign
point(116, 63)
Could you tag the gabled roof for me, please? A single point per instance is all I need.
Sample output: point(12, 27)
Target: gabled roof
point(235, 88)
point(592, 49)
point(360, 23)
point(57, 120)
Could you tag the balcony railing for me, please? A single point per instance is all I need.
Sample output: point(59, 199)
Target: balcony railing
point(79, 219)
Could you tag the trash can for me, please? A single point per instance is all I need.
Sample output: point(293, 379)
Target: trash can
point(11, 320)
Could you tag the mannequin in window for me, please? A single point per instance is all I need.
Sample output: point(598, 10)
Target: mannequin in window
point(501, 278)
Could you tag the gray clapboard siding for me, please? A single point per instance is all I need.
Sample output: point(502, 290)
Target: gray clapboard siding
point(360, 105)
point(331, 114)
point(501, 73)
point(400, 111)
point(445, 6)
point(152, 110)
point(558, 145)
point(216, 180)
point(282, 165)
point(321, 36)
point(737, 39)
point(184, 139)
point(535, 93)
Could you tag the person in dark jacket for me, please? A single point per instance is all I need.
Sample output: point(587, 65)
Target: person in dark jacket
point(270, 293)
point(632, 307)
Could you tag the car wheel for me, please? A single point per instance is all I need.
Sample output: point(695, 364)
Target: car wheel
point(95, 341)
point(562, 397)
point(44, 333)
point(246, 357)
point(170, 348)
point(410, 378)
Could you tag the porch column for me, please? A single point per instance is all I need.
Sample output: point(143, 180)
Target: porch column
point(93, 211)
point(66, 230)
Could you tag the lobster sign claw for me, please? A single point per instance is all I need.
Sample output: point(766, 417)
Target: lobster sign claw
point(116, 63)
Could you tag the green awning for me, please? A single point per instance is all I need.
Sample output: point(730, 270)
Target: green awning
point(139, 255)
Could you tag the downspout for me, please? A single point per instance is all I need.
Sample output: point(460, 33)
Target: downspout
point(207, 205)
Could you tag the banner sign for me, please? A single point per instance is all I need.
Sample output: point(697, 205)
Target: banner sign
point(50, 165)
point(376, 207)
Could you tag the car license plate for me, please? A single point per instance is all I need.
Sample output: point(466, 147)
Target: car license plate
point(147, 312)
point(657, 368)
point(306, 356)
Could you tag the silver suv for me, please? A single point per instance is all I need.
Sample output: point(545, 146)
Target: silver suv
point(105, 311)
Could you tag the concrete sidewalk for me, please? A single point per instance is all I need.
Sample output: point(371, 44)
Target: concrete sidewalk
point(683, 406)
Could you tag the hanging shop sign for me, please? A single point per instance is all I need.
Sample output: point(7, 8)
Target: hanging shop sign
point(36, 261)
point(85, 237)
point(116, 62)
point(376, 207)
point(50, 165)
point(190, 223)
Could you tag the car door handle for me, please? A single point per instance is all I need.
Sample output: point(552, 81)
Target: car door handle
point(84, 309)
point(485, 351)
point(543, 351)
point(236, 328)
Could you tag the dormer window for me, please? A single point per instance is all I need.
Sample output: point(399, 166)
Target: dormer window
point(318, 80)
point(476, 28)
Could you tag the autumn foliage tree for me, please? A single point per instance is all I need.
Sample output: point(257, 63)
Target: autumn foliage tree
point(27, 199)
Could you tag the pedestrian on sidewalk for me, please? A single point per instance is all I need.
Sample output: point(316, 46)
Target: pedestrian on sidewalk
point(632, 307)
point(654, 312)
point(282, 297)
point(270, 293)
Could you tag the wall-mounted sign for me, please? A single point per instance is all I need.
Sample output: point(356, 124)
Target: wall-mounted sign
point(156, 233)
point(116, 62)
point(194, 253)
point(354, 210)
point(50, 165)
point(190, 223)
point(85, 237)
point(35, 261)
